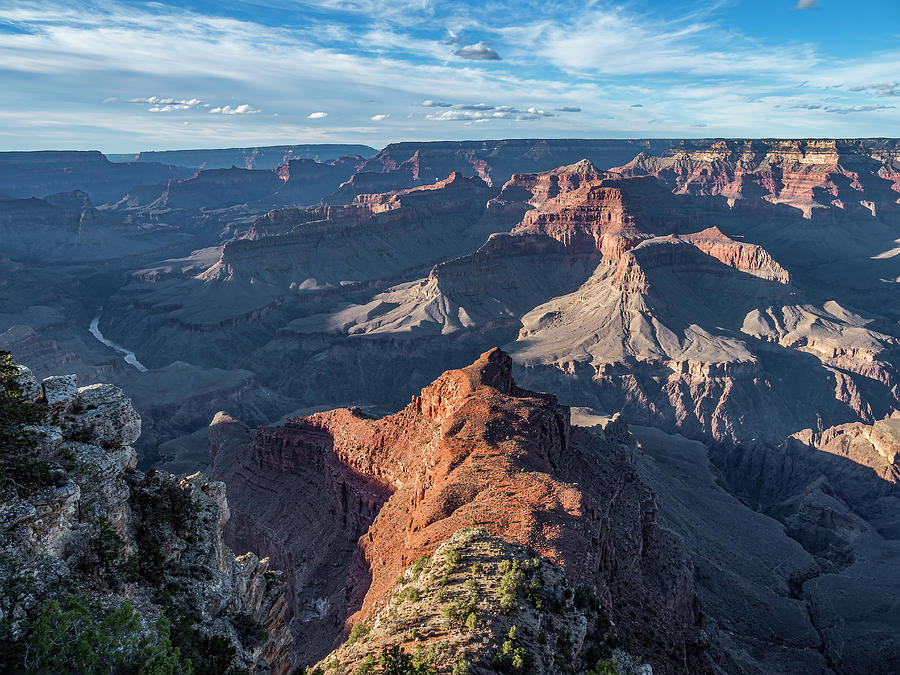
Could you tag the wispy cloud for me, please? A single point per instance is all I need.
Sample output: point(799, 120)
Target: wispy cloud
point(882, 89)
point(558, 58)
point(454, 39)
point(807, 4)
point(857, 108)
point(380, 117)
point(317, 115)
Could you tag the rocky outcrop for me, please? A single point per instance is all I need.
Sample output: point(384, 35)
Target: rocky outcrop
point(482, 604)
point(472, 449)
point(742, 256)
point(81, 528)
point(876, 445)
point(207, 190)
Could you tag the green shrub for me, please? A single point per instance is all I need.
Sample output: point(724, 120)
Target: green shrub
point(207, 654)
point(106, 545)
point(511, 658)
point(508, 591)
point(75, 636)
point(19, 465)
point(604, 667)
point(453, 557)
point(359, 631)
point(421, 563)
point(410, 593)
point(395, 661)
point(367, 667)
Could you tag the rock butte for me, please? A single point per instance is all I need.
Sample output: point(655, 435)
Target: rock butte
point(472, 449)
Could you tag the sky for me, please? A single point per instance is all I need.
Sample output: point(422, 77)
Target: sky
point(123, 76)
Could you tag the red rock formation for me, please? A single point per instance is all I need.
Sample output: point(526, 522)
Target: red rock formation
point(472, 449)
point(805, 174)
point(742, 256)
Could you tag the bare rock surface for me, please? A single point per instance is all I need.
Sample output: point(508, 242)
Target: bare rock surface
point(99, 533)
point(472, 449)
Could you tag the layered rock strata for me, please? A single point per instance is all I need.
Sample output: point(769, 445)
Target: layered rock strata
point(472, 450)
point(100, 534)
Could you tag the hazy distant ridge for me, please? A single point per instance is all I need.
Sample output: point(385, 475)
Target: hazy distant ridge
point(269, 157)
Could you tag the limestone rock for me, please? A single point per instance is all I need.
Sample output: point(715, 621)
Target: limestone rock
point(29, 384)
point(107, 415)
point(60, 389)
point(94, 533)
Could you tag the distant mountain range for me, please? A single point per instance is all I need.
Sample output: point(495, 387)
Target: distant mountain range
point(268, 157)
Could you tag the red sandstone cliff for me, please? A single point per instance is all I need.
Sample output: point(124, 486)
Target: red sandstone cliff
point(472, 450)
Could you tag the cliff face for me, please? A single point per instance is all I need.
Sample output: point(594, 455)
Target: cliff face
point(32, 174)
point(33, 227)
point(85, 537)
point(472, 450)
point(269, 157)
point(805, 174)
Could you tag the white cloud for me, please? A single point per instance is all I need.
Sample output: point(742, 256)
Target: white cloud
point(882, 89)
point(244, 109)
point(478, 52)
point(807, 4)
point(158, 104)
point(682, 72)
point(485, 111)
point(317, 115)
point(380, 117)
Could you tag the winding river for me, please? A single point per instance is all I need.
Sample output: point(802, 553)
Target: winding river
point(130, 358)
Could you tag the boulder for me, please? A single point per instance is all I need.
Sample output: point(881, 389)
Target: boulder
point(106, 413)
point(60, 389)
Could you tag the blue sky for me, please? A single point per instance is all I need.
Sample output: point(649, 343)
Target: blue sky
point(127, 76)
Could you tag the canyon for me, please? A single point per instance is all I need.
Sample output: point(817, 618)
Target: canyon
point(716, 319)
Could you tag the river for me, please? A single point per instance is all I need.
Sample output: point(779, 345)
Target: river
point(130, 358)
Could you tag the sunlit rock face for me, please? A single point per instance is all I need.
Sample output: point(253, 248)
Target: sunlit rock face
point(472, 449)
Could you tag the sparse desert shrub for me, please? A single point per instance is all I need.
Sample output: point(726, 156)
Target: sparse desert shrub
point(420, 564)
point(453, 557)
point(459, 666)
point(508, 591)
point(512, 658)
point(395, 661)
point(19, 465)
point(410, 593)
point(359, 631)
point(367, 666)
